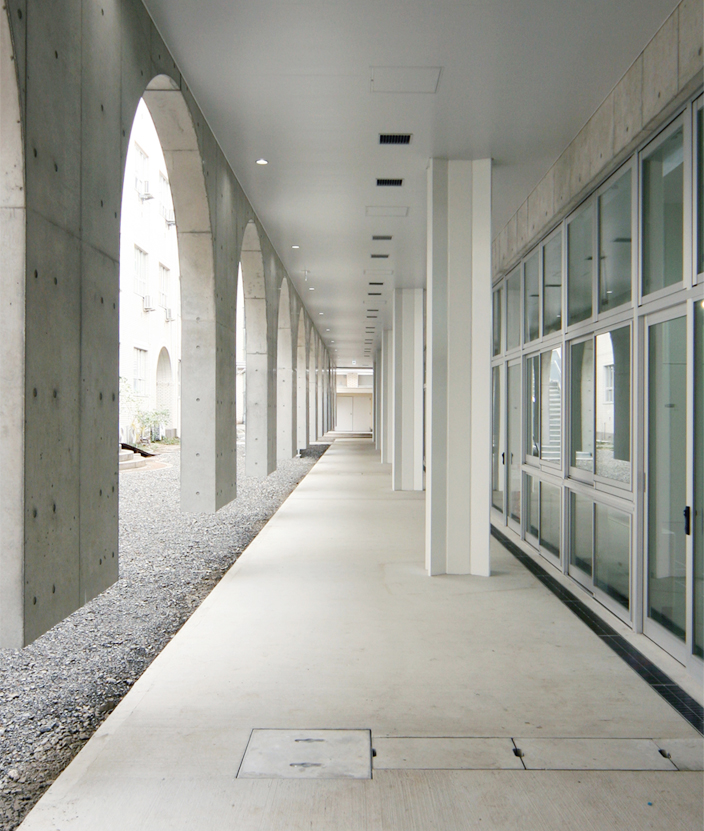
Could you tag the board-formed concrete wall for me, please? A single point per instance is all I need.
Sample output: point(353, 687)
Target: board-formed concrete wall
point(81, 68)
point(661, 79)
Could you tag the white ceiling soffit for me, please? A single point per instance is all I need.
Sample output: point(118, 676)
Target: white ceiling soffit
point(310, 85)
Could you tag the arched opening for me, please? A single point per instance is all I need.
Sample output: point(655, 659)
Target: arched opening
point(312, 387)
point(204, 488)
point(301, 383)
point(12, 313)
point(285, 380)
point(259, 458)
point(150, 293)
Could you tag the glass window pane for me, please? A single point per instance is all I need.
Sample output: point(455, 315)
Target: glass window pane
point(613, 405)
point(667, 465)
point(550, 518)
point(514, 442)
point(533, 409)
point(496, 317)
point(612, 552)
point(700, 189)
point(532, 506)
point(552, 285)
point(581, 533)
point(615, 244)
point(531, 297)
point(663, 214)
point(497, 438)
point(582, 406)
point(551, 406)
point(698, 507)
point(579, 266)
point(513, 308)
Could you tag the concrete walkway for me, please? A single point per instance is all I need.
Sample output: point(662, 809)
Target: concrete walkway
point(328, 621)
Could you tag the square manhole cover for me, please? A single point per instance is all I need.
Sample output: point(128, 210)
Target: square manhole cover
point(308, 754)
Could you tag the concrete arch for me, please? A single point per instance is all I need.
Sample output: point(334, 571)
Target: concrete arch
point(165, 385)
point(301, 382)
point(200, 489)
point(285, 379)
point(12, 325)
point(260, 438)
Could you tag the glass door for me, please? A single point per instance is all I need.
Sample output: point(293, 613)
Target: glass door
point(515, 426)
point(667, 469)
point(498, 454)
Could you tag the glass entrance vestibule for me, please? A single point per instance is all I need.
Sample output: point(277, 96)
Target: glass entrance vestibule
point(598, 392)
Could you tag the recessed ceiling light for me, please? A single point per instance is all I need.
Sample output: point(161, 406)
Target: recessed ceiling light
point(262, 161)
point(310, 288)
point(327, 330)
point(320, 313)
point(295, 246)
point(332, 341)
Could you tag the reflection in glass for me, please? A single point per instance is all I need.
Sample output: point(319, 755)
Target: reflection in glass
point(531, 298)
point(615, 244)
point(496, 318)
point(579, 266)
point(663, 214)
point(612, 552)
point(667, 464)
point(552, 285)
point(698, 506)
point(550, 406)
point(582, 405)
point(533, 372)
point(581, 510)
point(514, 442)
point(550, 518)
point(513, 309)
point(532, 506)
point(613, 405)
point(497, 439)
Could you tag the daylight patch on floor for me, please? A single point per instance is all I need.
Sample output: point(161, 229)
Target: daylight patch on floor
point(307, 754)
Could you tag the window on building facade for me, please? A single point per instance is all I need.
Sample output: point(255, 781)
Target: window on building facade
point(533, 408)
point(497, 438)
point(496, 321)
point(582, 406)
point(612, 552)
point(531, 297)
point(513, 309)
point(164, 279)
point(141, 272)
point(550, 525)
point(580, 260)
point(613, 405)
point(552, 285)
point(615, 244)
point(663, 212)
point(551, 406)
point(141, 169)
point(581, 532)
point(140, 371)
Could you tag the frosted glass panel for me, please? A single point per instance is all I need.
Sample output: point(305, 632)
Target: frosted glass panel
point(552, 285)
point(615, 244)
point(663, 214)
point(579, 266)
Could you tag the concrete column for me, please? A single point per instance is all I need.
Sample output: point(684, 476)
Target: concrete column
point(387, 409)
point(377, 399)
point(407, 450)
point(458, 422)
point(312, 390)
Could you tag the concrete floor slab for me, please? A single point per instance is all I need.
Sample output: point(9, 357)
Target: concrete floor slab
point(592, 754)
point(445, 754)
point(686, 754)
point(328, 621)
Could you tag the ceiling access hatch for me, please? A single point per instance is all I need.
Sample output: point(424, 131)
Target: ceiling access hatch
point(395, 138)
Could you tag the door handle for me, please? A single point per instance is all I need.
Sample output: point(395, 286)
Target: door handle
point(503, 458)
point(687, 520)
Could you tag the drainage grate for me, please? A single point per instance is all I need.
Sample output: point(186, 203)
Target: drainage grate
point(395, 138)
point(389, 183)
point(307, 754)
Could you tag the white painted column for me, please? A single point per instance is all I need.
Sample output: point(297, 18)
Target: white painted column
point(407, 451)
point(377, 399)
point(458, 419)
point(386, 396)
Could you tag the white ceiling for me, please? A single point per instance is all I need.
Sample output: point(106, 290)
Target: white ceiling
point(289, 81)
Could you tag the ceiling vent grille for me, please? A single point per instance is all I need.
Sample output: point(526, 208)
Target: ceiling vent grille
point(380, 256)
point(376, 284)
point(374, 293)
point(395, 138)
point(389, 183)
point(386, 237)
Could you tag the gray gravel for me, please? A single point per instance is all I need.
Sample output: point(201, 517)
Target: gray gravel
point(57, 691)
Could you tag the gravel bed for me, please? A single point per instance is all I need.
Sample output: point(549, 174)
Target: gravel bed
point(57, 691)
